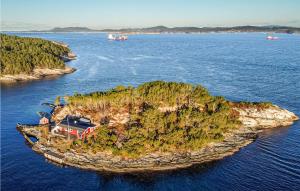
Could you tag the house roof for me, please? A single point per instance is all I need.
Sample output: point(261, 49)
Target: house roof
point(75, 123)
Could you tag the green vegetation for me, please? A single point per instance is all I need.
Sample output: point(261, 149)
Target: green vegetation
point(257, 105)
point(163, 117)
point(22, 55)
point(57, 101)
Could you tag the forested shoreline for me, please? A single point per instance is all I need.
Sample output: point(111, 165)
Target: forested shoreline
point(21, 55)
point(155, 116)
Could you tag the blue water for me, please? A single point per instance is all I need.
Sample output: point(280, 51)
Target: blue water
point(237, 66)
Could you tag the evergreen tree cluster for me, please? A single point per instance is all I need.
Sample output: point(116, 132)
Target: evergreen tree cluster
point(198, 118)
point(21, 55)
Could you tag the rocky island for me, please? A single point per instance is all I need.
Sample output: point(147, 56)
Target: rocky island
point(25, 59)
point(155, 126)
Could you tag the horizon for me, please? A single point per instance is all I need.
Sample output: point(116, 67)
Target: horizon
point(94, 29)
point(18, 15)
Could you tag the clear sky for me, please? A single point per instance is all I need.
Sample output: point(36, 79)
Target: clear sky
point(99, 14)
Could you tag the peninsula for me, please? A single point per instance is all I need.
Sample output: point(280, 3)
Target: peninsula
point(155, 126)
point(24, 59)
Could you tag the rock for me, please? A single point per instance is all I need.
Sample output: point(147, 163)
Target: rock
point(252, 120)
point(36, 75)
point(266, 118)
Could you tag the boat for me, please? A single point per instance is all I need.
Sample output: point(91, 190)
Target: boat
point(270, 37)
point(117, 37)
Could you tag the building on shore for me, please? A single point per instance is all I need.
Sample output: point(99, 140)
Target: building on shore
point(45, 118)
point(75, 127)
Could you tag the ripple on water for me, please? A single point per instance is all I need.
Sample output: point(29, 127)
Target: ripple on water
point(237, 66)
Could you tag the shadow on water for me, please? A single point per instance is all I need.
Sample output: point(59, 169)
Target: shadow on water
point(274, 132)
point(148, 179)
point(33, 139)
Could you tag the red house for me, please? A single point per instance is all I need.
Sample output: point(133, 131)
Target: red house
point(78, 127)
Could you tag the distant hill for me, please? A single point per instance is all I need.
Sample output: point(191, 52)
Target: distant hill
point(164, 29)
point(71, 29)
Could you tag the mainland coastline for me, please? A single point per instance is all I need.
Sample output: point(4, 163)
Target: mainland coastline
point(179, 30)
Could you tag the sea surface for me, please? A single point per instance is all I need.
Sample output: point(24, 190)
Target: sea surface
point(237, 66)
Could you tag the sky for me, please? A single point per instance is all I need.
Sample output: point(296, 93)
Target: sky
point(101, 14)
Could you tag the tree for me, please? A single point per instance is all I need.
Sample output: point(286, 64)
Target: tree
point(22, 55)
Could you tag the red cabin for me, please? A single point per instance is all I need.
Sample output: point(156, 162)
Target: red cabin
point(78, 127)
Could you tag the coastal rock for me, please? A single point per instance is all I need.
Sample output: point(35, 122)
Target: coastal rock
point(252, 119)
point(266, 118)
point(37, 74)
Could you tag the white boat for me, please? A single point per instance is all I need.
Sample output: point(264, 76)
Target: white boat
point(270, 37)
point(111, 37)
point(117, 37)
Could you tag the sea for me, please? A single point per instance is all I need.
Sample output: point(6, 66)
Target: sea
point(238, 66)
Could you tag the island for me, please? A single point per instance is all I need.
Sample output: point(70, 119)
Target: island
point(24, 59)
point(156, 126)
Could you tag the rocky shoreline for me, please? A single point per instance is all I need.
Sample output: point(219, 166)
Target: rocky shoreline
point(37, 74)
point(40, 73)
point(253, 121)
